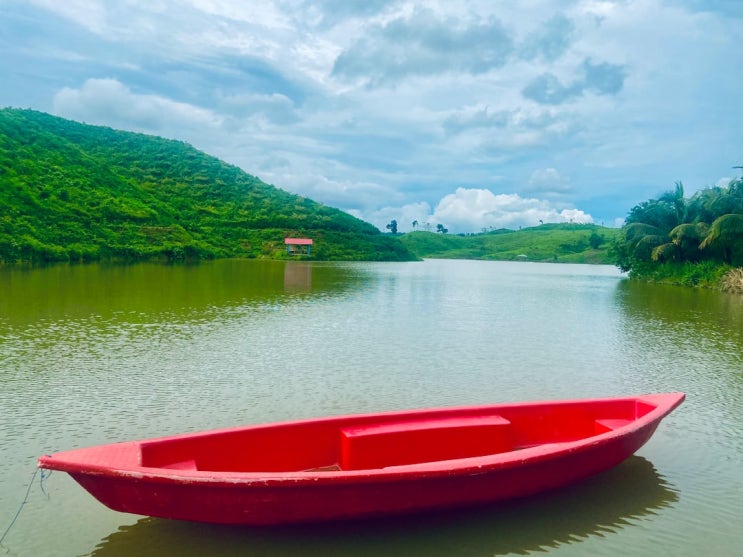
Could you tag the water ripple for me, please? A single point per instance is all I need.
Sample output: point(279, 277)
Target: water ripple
point(147, 351)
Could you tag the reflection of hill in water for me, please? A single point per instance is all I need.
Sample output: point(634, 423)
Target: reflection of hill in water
point(601, 505)
point(171, 292)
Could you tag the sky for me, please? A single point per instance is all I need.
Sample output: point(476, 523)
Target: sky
point(474, 114)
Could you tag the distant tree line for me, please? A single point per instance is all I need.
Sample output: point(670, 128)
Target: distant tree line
point(440, 228)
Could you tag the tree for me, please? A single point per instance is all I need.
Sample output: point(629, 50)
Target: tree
point(415, 224)
point(687, 238)
point(440, 228)
point(392, 226)
point(725, 237)
point(674, 199)
point(672, 229)
point(594, 239)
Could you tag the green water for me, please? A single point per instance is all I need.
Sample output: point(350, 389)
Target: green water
point(93, 354)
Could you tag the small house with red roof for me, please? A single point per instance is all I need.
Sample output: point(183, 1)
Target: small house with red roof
point(298, 246)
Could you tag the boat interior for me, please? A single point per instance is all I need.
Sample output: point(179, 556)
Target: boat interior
point(376, 442)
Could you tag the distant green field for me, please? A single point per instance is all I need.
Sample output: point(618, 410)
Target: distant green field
point(560, 243)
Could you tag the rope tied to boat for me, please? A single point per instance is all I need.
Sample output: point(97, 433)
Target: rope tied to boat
point(43, 475)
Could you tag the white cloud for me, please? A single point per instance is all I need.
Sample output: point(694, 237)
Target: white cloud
point(265, 14)
point(550, 41)
point(276, 108)
point(378, 107)
point(723, 182)
point(471, 210)
point(425, 43)
point(90, 14)
point(420, 213)
point(549, 182)
point(601, 79)
point(468, 210)
point(107, 101)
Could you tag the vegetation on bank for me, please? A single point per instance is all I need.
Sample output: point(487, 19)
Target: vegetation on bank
point(691, 242)
point(74, 192)
point(558, 242)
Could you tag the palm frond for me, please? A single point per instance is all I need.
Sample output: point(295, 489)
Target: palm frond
point(637, 230)
point(725, 229)
point(643, 249)
point(665, 252)
point(686, 232)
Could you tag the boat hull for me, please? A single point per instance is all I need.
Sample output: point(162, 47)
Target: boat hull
point(183, 491)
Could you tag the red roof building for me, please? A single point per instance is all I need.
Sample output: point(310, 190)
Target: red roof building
point(298, 246)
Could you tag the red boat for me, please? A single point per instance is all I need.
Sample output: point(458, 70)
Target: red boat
point(366, 465)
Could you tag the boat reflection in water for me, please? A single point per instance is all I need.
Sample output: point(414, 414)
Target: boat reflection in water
point(599, 506)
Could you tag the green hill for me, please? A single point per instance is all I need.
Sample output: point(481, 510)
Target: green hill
point(71, 192)
point(563, 243)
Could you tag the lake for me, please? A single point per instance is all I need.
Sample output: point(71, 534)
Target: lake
point(98, 353)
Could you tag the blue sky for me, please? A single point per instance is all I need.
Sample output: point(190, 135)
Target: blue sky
point(471, 114)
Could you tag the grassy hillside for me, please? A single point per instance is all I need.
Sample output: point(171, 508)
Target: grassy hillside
point(563, 243)
point(69, 191)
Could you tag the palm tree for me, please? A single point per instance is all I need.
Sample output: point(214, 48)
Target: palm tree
point(687, 238)
point(641, 243)
point(675, 200)
point(725, 237)
point(671, 229)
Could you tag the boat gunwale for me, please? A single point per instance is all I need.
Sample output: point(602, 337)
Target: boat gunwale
point(664, 404)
